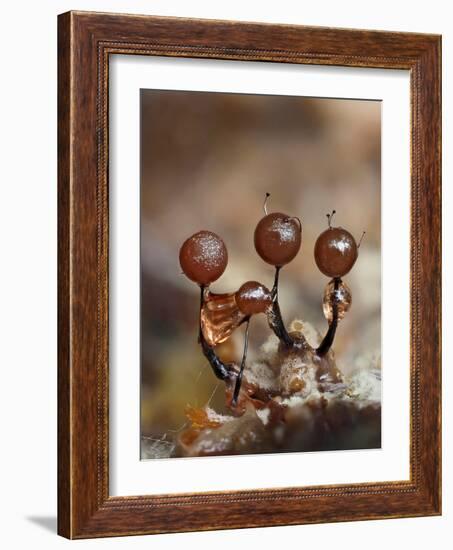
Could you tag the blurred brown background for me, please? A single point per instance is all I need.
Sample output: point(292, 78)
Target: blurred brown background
point(207, 160)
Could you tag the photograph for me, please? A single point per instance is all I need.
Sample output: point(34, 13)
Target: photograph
point(226, 266)
point(260, 274)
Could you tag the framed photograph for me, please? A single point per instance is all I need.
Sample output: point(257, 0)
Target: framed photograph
point(249, 275)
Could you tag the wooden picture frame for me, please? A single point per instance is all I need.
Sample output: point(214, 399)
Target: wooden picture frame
point(85, 42)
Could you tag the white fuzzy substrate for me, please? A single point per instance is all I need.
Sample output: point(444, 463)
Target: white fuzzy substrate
point(273, 373)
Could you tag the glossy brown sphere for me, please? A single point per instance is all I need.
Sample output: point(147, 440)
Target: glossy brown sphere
point(278, 238)
point(252, 298)
point(203, 257)
point(335, 252)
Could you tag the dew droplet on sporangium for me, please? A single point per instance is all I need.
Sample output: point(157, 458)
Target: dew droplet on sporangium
point(341, 297)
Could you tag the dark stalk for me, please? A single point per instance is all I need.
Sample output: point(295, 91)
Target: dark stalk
point(327, 342)
point(274, 316)
point(275, 287)
point(237, 386)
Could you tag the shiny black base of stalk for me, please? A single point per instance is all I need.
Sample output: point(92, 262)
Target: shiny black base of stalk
point(274, 316)
point(328, 339)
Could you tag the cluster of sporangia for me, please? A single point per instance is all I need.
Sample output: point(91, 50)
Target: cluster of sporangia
point(203, 258)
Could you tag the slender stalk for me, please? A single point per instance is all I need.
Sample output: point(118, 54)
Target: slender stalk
point(237, 386)
point(265, 203)
point(275, 287)
point(327, 342)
